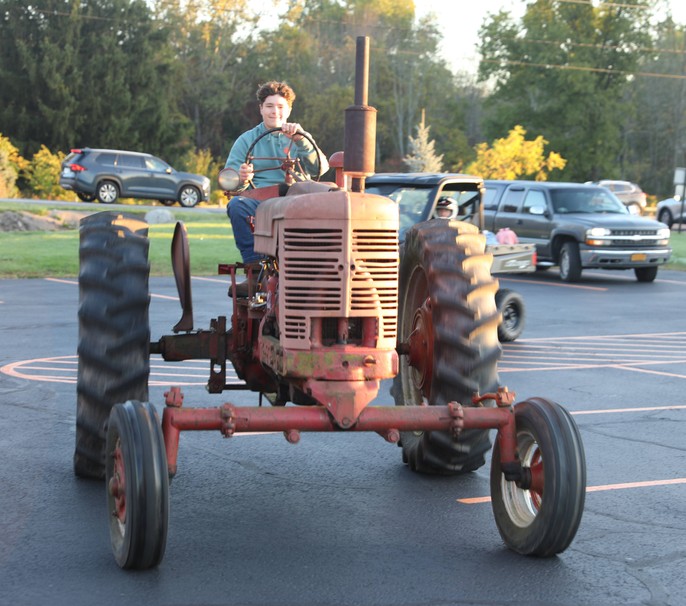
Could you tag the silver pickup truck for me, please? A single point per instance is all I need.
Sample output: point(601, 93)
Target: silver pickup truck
point(576, 227)
point(425, 196)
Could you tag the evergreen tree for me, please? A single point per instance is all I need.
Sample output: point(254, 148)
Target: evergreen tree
point(422, 156)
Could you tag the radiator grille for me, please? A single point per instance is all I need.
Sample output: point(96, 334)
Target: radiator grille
point(334, 273)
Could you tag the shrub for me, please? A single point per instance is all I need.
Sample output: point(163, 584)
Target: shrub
point(11, 165)
point(201, 162)
point(43, 175)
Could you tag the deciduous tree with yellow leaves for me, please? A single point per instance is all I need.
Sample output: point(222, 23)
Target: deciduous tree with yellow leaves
point(513, 157)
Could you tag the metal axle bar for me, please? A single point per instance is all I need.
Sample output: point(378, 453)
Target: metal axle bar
point(385, 420)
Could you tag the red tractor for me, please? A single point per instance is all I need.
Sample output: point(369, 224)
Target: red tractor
point(335, 308)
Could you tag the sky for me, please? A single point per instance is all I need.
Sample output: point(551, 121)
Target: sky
point(460, 21)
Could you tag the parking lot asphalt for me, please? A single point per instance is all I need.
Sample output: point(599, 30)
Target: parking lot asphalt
point(338, 519)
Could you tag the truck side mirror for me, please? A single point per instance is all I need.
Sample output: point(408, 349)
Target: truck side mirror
point(537, 210)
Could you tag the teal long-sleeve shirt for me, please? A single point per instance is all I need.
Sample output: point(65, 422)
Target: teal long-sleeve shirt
point(274, 145)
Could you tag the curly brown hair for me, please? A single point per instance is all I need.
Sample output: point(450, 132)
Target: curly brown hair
point(275, 88)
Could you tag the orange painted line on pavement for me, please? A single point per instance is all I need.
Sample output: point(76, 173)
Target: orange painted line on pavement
point(601, 488)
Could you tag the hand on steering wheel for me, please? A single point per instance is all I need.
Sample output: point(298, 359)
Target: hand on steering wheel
point(291, 167)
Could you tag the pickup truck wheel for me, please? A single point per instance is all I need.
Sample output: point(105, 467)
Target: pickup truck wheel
point(511, 307)
point(447, 295)
point(646, 274)
point(570, 262)
point(542, 517)
point(114, 330)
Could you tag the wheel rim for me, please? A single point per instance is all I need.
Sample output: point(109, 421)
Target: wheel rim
point(116, 493)
point(421, 349)
point(108, 193)
point(522, 505)
point(564, 263)
point(416, 320)
point(189, 197)
point(117, 487)
point(510, 317)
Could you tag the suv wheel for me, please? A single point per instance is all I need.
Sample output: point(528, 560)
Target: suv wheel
point(108, 192)
point(189, 196)
point(665, 217)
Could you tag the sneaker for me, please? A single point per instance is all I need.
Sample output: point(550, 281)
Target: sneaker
point(242, 290)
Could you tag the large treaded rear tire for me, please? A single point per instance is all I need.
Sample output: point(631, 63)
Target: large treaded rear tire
point(446, 263)
point(114, 329)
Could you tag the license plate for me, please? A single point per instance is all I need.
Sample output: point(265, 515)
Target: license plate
point(638, 257)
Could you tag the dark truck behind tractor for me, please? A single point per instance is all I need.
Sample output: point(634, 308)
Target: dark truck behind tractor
point(420, 195)
point(577, 227)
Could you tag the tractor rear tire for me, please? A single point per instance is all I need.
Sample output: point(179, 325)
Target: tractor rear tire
point(114, 329)
point(444, 263)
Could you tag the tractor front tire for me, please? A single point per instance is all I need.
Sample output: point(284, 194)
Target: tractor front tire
point(543, 519)
point(137, 486)
point(114, 329)
point(447, 295)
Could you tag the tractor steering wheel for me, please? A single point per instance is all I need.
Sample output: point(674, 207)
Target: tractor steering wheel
point(287, 164)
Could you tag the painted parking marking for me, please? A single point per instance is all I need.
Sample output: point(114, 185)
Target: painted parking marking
point(152, 295)
point(625, 410)
point(63, 369)
point(634, 353)
point(555, 284)
point(75, 283)
point(601, 488)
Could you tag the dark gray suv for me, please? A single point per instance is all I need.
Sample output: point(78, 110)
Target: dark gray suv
point(109, 174)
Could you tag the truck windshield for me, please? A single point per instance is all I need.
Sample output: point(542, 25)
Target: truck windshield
point(412, 203)
point(566, 201)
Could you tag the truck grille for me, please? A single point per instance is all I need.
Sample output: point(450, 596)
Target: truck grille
point(633, 237)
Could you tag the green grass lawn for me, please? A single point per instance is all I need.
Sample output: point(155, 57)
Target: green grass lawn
point(56, 253)
point(678, 242)
point(210, 239)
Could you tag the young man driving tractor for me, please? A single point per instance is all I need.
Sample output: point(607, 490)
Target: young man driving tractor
point(256, 156)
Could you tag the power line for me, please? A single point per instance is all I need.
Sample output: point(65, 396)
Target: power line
point(583, 68)
point(643, 49)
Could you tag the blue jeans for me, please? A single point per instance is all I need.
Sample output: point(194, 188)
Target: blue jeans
point(240, 210)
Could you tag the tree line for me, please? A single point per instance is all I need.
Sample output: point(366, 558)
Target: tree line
point(603, 85)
